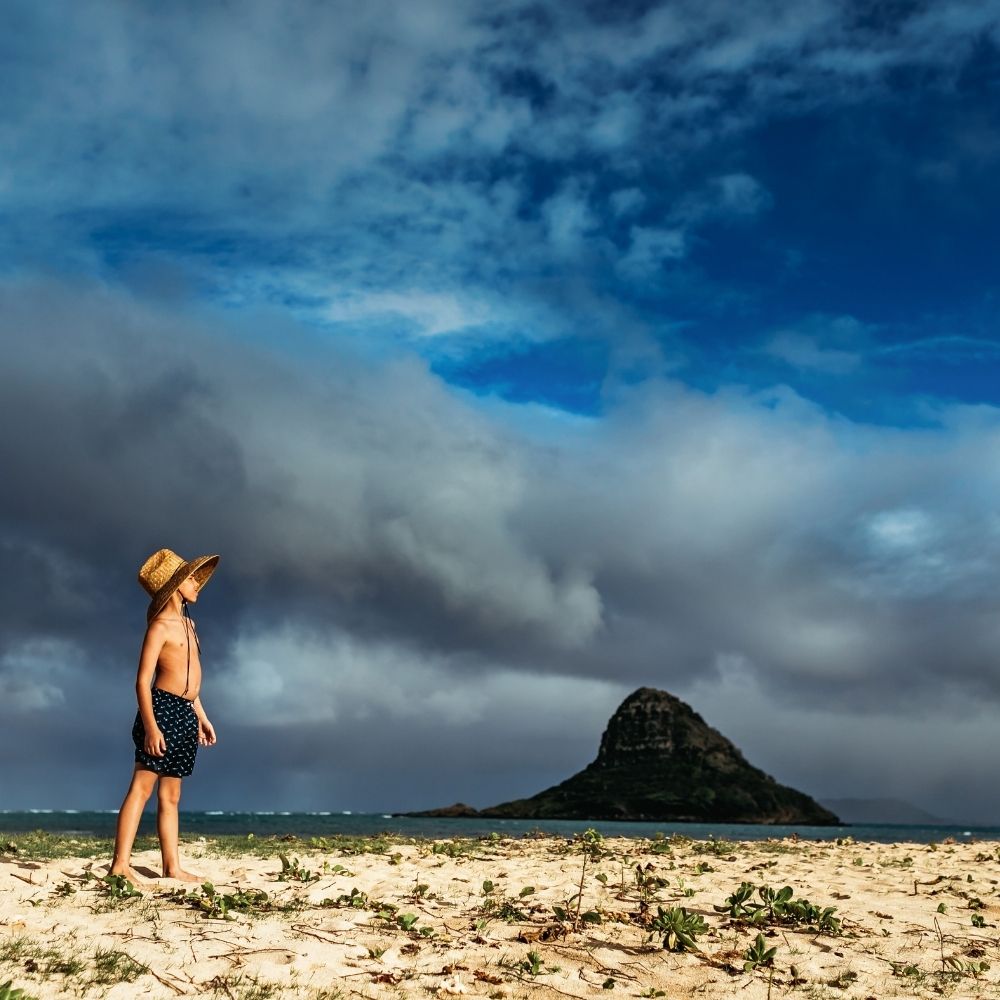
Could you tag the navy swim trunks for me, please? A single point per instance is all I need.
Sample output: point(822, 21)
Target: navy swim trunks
point(177, 721)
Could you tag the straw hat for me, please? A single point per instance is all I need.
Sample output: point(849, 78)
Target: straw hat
point(164, 571)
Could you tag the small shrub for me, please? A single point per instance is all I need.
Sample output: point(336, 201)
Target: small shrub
point(292, 871)
point(776, 906)
point(119, 887)
point(758, 954)
point(678, 928)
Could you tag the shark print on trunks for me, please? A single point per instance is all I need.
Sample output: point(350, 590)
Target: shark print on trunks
point(177, 721)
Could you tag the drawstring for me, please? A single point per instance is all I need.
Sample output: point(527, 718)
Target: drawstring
point(188, 629)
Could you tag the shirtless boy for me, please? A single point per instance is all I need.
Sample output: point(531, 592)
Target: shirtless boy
point(171, 723)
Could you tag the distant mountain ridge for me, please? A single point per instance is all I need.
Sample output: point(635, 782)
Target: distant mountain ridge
point(659, 760)
point(878, 811)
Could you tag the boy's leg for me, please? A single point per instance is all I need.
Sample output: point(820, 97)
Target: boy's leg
point(166, 827)
point(128, 821)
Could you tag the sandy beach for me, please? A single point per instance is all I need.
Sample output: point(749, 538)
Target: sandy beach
point(381, 917)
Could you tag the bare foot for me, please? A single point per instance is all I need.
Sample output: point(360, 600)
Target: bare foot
point(126, 873)
point(182, 876)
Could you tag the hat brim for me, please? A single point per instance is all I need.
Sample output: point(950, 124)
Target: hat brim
point(201, 569)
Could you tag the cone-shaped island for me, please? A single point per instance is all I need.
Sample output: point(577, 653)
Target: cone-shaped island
point(659, 760)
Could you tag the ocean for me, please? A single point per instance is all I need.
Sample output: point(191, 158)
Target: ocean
point(325, 824)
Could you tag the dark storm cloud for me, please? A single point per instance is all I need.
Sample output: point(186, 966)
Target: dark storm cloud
point(400, 560)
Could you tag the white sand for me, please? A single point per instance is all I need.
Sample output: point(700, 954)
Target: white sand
point(895, 942)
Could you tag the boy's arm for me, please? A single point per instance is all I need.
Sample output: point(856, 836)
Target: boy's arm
point(206, 731)
point(152, 644)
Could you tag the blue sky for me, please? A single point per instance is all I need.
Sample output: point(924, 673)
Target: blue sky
point(776, 193)
point(575, 346)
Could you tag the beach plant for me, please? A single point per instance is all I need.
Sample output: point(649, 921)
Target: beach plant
point(978, 920)
point(531, 964)
point(355, 900)
point(9, 992)
point(501, 907)
point(292, 871)
point(215, 905)
point(908, 971)
point(407, 920)
point(678, 928)
point(758, 954)
point(457, 848)
point(119, 887)
point(775, 846)
point(659, 845)
point(591, 844)
point(569, 914)
point(245, 987)
point(338, 869)
point(843, 979)
point(419, 891)
point(386, 912)
point(647, 883)
point(959, 968)
point(568, 918)
point(777, 906)
point(652, 992)
point(720, 848)
point(351, 845)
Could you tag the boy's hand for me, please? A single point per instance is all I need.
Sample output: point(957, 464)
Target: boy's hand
point(156, 745)
point(206, 733)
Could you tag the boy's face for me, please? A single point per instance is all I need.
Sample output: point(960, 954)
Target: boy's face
point(189, 590)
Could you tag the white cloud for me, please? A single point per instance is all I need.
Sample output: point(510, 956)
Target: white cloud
point(430, 313)
point(627, 201)
point(649, 249)
point(569, 218)
point(804, 351)
point(287, 677)
point(945, 347)
point(616, 123)
point(741, 194)
point(901, 529)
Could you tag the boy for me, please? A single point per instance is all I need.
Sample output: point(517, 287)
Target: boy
point(171, 722)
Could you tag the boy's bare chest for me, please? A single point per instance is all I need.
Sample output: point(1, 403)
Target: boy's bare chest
point(180, 647)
